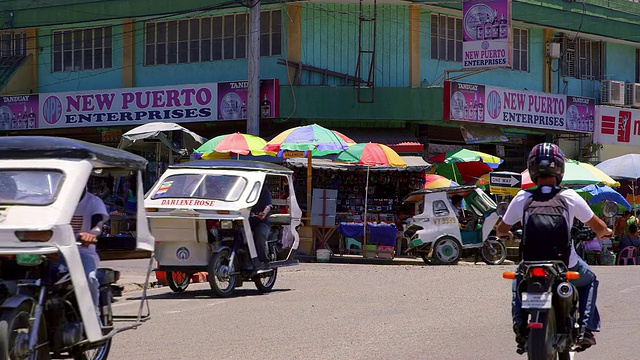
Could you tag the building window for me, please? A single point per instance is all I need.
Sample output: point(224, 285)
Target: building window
point(13, 43)
point(583, 58)
point(446, 38)
point(82, 49)
point(520, 59)
point(222, 37)
point(638, 65)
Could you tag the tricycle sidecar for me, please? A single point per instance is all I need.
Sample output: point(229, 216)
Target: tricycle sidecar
point(200, 213)
point(437, 233)
point(46, 305)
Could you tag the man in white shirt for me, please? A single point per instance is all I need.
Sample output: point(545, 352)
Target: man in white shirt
point(87, 223)
point(546, 168)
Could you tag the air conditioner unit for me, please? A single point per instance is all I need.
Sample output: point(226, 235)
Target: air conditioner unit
point(632, 95)
point(612, 92)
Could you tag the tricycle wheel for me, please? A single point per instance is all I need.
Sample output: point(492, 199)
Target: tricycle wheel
point(493, 251)
point(264, 282)
point(221, 280)
point(446, 251)
point(178, 281)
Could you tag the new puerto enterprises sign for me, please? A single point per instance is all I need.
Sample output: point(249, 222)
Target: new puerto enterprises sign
point(520, 108)
point(486, 34)
point(136, 106)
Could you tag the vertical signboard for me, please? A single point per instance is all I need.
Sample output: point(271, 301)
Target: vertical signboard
point(232, 97)
point(18, 112)
point(520, 108)
point(617, 126)
point(486, 34)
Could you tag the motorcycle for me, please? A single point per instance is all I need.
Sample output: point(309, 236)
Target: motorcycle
point(46, 307)
point(551, 302)
point(200, 213)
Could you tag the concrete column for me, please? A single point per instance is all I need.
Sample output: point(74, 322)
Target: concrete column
point(547, 64)
point(293, 17)
point(34, 51)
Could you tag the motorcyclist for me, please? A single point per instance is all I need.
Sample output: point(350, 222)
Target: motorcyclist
point(546, 164)
point(260, 224)
point(87, 221)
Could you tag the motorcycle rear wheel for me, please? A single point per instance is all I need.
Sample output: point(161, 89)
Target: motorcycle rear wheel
point(265, 282)
point(14, 332)
point(178, 281)
point(540, 343)
point(101, 352)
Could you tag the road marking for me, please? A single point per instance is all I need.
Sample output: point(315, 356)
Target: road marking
point(216, 303)
point(173, 312)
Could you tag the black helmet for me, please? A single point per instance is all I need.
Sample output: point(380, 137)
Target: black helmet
point(546, 159)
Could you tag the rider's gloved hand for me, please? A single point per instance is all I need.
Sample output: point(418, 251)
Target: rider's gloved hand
point(87, 238)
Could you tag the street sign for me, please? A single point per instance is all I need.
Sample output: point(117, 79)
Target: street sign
point(505, 179)
point(505, 183)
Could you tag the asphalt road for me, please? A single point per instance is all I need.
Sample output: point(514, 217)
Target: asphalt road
point(343, 311)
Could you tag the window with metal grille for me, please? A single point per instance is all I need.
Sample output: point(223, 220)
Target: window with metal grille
point(221, 37)
point(13, 43)
point(638, 65)
point(82, 49)
point(520, 56)
point(583, 58)
point(446, 38)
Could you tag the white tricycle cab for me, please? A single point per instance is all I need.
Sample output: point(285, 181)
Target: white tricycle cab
point(41, 182)
point(200, 214)
point(437, 234)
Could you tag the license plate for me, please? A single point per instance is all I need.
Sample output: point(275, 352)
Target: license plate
point(536, 300)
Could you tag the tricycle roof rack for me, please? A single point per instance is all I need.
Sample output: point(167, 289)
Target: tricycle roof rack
point(44, 147)
point(233, 164)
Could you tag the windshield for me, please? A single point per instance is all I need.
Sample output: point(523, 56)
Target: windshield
point(481, 202)
point(200, 186)
point(29, 187)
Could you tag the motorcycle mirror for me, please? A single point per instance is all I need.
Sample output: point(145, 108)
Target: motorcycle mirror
point(610, 208)
point(501, 209)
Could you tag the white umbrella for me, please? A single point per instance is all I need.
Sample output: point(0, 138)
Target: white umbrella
point(622, 167)
point(155, 131)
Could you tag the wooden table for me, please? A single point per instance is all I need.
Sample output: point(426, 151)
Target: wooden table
point(321, 233)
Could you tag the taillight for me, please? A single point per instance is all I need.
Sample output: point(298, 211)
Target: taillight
point(509, 275)
point(39, 236)
point(538, 272)
point(151, 209)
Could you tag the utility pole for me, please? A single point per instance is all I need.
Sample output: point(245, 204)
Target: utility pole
point(253, 90)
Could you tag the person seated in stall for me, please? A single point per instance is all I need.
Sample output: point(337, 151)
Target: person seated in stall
point(630, 239)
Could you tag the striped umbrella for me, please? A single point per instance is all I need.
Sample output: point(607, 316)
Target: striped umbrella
point(434, 181)
point(236, 143)
point(576, 173)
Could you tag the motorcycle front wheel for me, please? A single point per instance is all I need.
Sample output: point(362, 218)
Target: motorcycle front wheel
point(540, 345)
point(264, 282)
point(14, 334)
point(493, 251)
point(221, 279)
point(106, 317)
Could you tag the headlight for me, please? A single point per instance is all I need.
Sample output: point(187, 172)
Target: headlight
point(226, 224)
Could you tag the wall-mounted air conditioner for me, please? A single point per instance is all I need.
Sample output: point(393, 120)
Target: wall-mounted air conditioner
point(632, 95)
point(612, 92)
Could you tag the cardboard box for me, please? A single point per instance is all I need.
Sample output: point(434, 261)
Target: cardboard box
point(385, 252)
point(306, 246)
point(370, 251)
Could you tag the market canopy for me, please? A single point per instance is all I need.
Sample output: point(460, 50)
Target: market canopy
point(414, 163)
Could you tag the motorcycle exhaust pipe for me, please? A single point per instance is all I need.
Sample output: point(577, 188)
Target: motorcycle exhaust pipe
point(564, 290)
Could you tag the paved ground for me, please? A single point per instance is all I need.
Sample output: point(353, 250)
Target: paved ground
point(347, 311)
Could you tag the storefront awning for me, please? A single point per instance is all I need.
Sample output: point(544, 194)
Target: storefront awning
point(414, 163)
point(400, 140)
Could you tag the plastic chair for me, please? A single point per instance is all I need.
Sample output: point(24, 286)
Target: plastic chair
point(628, 255)
point(348, 242)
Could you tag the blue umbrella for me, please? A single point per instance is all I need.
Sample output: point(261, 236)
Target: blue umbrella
point(601, 193)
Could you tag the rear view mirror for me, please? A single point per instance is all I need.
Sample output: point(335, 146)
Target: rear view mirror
point(501, 208)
